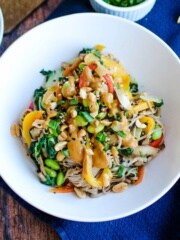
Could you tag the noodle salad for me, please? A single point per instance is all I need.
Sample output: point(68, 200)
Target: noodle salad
point(89, 129)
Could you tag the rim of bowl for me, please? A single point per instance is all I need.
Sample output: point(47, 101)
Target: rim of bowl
point(1, 25)
point(125, 9)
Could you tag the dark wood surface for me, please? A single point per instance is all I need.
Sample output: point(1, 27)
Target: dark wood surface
point(16, 222)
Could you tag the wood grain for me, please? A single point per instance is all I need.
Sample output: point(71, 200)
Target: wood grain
point(37, 17)
point(15, 11)
point(17, 223)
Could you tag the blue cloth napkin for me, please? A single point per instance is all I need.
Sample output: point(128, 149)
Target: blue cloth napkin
point(162, 20)
point(161, 220)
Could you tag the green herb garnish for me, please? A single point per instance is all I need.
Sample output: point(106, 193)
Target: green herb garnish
point(121, 134)
point(101, 137)
point(120, 170)
point(123, 3)
point(126, 151)
point(161, 103)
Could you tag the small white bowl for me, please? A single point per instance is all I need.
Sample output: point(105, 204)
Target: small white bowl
point(1, 25)
point(133, 13)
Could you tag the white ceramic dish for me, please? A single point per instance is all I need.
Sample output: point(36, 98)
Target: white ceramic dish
point(133, 13)
point(1, 25)
point(154, 65)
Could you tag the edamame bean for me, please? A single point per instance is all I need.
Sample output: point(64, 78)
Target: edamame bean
point(101, 115)
point(52, 164)
point(50, 172)
point(156, 134)
point(60, 179)
point(80, 121)
point(85, 103)
point(92, 129)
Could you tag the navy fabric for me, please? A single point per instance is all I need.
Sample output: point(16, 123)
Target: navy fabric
point(162, 20)
point(161, 220)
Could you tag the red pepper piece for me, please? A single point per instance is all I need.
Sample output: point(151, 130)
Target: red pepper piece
point(157, 142)
point(109, 83)
point(140, 175)
point(31, 105)
point(92, 66)
point(82, 81)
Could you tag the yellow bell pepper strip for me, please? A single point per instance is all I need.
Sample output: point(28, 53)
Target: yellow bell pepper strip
point(100, 158)
point(139, 107)
point(88, 175)
point(149, 122)
point(87, 171)
point(100, 47)
point(27, 124)
point(106, 174)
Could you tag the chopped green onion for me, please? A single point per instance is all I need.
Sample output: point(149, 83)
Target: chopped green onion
point(101, 137)
point(61, 102)
point(121, 134)
point(123, 3)
point(120, 170)
point(107, 146)
point(86, 116)
point(73, 101)
point(65, 152)
point(81, 66)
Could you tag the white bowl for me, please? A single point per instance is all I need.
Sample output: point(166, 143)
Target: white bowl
point(1, 26)
point(133, 13)
point(154, 65)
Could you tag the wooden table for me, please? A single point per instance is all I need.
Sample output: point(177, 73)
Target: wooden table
point(16, 222)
